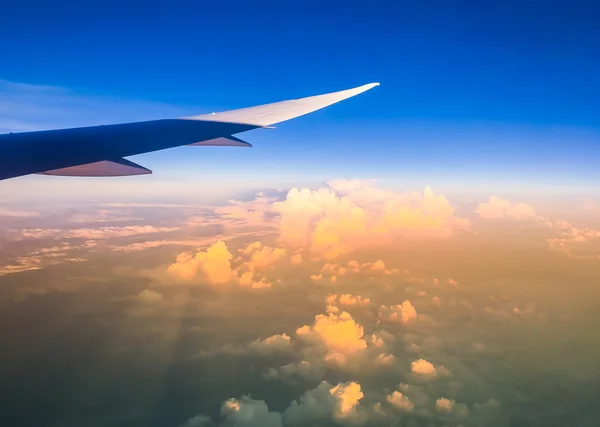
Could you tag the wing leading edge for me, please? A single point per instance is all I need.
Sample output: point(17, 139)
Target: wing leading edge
point(270, 114)
point(99, 151)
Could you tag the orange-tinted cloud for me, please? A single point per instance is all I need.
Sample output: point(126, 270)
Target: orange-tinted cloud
point(214, 263)
point(404, 312)
point(496, 208)
point(328, 224)
point(423, 367)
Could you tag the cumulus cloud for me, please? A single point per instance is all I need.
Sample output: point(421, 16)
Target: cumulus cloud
point(384, 359)
point(444, 405)
point(248, 412)
point(347, 396)
point(329, 224)
point(340, 403)
point(404, 313)
point(261, 256)
point(339, 334)
point(347, 299)
point(423, 367)
point(496, 208)
point(400, 401)
point(574, 242)
point(215, 265)
point(214, 262)
point(566, 239)
point(256, 212)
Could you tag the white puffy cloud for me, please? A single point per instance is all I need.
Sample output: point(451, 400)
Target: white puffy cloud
point(496, 208)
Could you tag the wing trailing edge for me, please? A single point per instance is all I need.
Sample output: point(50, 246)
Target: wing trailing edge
point(230, 141)
point(104, 168)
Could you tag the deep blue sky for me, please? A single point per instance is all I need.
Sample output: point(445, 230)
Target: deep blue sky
point(493, 90)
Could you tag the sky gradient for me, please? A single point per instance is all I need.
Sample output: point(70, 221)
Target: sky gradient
point(502, 93)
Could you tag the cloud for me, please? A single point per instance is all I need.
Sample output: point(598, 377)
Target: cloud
point(496, 208)
point(303, 369)
point(261, 256)
point(329, 225)
point(100, 233)
point(384, 359)
point(423, 367)
point(347, 299)
point(444, 405)
point(198, 421)
point(280, 343)
point(339, 334)
point(256, 212)
point(149, 244)
point(275, 344)
point(340, 403)
point(574, 242)
point(577, 243)
point(148, 296)
point(347, 396)
point(18, 213)
point(214, 263)
point(400, 401)
point(404, 312)
point(248, 412)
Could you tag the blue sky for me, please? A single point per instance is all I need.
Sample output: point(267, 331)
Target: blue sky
point(473, 93)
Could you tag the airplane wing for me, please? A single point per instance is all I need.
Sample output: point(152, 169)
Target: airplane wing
point(100, 150)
